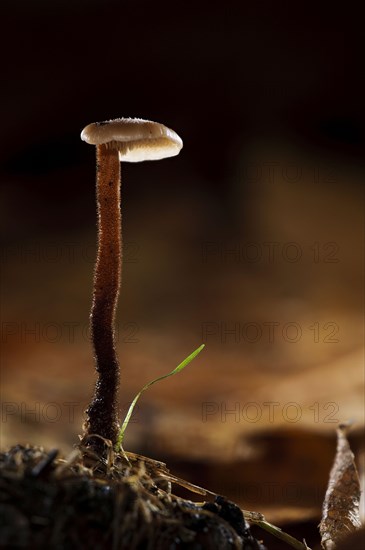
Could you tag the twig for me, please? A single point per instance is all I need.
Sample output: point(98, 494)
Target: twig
point(259, 519)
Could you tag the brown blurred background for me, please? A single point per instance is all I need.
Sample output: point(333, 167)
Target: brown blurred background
point(250, 241)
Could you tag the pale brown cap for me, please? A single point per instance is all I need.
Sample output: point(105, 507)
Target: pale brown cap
point(135, 139)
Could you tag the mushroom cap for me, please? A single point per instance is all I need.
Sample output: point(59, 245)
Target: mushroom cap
point(135, 139)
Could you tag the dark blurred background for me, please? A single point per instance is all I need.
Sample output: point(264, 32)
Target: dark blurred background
point(250, 241)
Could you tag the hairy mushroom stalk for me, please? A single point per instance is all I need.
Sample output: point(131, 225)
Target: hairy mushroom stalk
point(102, 414)
point(131, 140)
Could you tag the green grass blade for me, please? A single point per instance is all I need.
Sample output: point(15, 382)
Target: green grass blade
point(177, 369)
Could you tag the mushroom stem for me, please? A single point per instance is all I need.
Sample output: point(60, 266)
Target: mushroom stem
point(102, 414)
point(131, 140)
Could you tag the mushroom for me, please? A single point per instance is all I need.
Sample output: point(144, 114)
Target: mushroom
point(131, 140)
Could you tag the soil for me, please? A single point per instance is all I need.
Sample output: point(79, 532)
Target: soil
point(104, 500)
